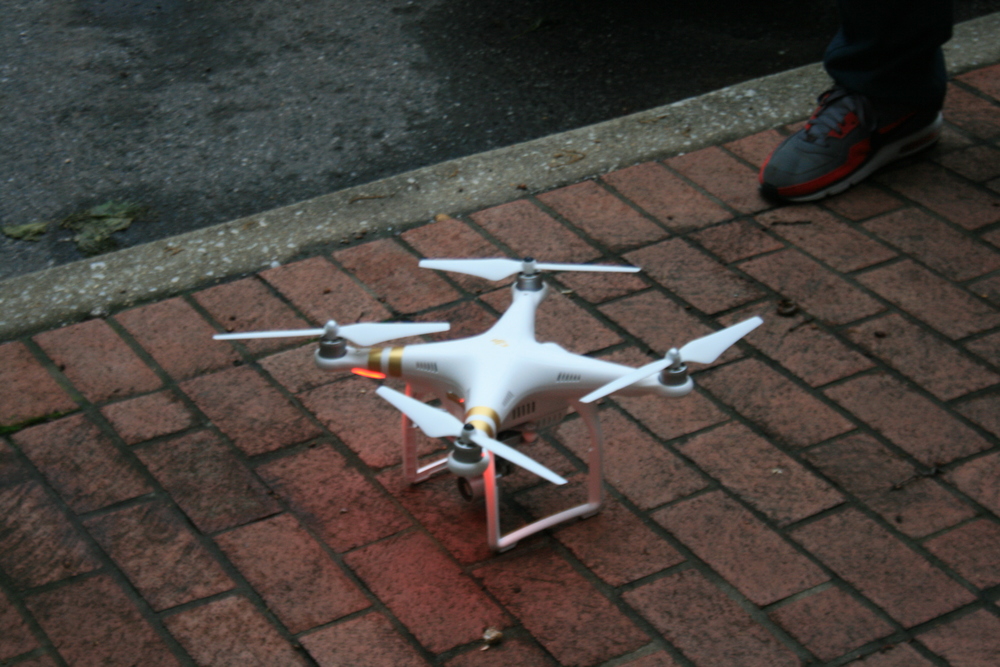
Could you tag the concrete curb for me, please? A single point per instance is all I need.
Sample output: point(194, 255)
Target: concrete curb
point(166, 267)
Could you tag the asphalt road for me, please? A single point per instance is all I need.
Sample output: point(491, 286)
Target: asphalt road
point(201, 111)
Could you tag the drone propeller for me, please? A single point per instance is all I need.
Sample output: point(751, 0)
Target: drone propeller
point(703, 350)
point(500, 268)
point(362, 333)
point(437, 423)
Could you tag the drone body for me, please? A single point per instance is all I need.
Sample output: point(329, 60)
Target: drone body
point(501, 384)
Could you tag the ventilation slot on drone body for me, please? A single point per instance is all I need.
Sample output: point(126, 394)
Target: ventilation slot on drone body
point(523, 410)
point(568, 377)
point(429, 366)
point(508, 398)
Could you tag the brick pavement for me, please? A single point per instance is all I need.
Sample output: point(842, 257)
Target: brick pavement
point(830, 494)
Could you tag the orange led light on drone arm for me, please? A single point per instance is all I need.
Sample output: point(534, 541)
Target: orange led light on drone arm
point(365, 373)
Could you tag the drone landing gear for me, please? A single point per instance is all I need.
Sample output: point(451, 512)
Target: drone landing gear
point(487, 486)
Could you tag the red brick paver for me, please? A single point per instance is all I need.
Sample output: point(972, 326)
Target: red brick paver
point(706, 625)
point(427, 591)
point(740, 547)
point(207, 481)
point(831, 622)
point(92, 622)
point(97, 361)
point(299, 582)
point(549, 597)
point(166, 329)
point(829, 494)
point(251, 412)
point(27, 391)
point(159, 554)
point(231, 632)
point(81, 463)
point(368, 641)
point(883, 569)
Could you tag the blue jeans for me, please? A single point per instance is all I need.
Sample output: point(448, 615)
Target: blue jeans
point(890, 50)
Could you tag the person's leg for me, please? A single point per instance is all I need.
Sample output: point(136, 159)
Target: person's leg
point(887, 63)
point(890, 50)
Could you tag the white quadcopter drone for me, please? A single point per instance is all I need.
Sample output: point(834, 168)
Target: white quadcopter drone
point(498, 389)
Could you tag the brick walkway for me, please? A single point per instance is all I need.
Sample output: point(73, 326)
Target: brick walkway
point(830, 494)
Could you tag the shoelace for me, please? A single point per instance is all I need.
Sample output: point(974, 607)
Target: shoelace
point(834, 106)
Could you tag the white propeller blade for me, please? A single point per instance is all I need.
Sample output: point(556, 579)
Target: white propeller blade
point(626, 380)
point(437, 424)
point(707, 349)
point(703, 350)
point(373, 333)
point(362, 333)
point(433, 421)
point(500, 268)
point(249, 335)
point(515, 457)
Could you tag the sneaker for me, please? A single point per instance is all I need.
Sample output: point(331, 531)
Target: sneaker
point(845, 141)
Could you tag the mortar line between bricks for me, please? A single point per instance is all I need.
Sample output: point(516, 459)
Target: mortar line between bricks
point(941, 620)
point(205, 540)
point(974, 235)
point(15, 598)
point(631, 204)
point(649, 649)
point(980, 510)
point(600, 181)
point(466, 295)
point(516, 631)
point(158, 493)
point(613, 595)
point(191, 299)
point(851, 500)
point(606, 252)
point(783, 531)
point(489, 236)
point(601, 250)
point(693, 561)
point(393, 313)
point(885, 365)
point(881, 368)
point(964, 522)
point(735, 595)
point(52, 368)
point(468, 570)
point(376, 603)
point(733, 213)
point(801, 595)
point(969, 88)
point(739, 158)
point(610, 593)
point(107, 566)
point(29, 658)
point(914, 544)
point(875, 646)
point(241, 588)
point(352, 458)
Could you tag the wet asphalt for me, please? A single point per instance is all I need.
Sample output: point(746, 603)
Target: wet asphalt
point(204, 111)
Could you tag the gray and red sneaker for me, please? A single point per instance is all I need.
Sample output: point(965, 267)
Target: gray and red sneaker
point(845, 141)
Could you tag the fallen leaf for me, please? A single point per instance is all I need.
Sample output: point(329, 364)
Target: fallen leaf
point(29, 232)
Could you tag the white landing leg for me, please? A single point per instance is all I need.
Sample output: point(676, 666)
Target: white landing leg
point(595, 476)
point(411, 473)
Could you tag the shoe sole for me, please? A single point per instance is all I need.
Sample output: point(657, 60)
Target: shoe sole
point(909, 145)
